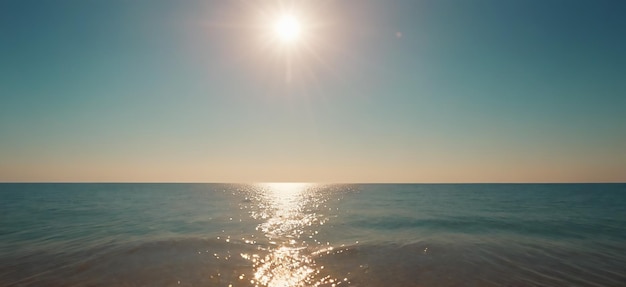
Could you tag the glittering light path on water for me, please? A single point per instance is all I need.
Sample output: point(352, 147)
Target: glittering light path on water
point(291, 214)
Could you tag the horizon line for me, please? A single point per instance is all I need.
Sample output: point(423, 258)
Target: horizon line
point(310, 182)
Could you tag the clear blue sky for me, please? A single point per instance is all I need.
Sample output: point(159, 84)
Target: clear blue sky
point(383, 91)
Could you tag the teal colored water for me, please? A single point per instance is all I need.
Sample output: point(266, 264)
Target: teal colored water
point(312, 235)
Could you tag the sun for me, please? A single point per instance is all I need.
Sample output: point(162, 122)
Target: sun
point(292, 34)
point(287, 29)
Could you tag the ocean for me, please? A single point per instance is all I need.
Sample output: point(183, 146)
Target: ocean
point(289, 234)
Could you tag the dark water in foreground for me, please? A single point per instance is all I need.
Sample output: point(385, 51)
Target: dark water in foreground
point(312, 235)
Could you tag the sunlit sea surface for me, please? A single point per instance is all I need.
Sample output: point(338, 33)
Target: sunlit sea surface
point(312, 235)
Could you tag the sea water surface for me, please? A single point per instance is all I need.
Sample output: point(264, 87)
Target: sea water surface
point(312, 235)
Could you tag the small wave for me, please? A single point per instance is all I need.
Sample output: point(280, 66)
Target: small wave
point(479, 225)
point(219, 262)
point(158, 263)
point(437, 264)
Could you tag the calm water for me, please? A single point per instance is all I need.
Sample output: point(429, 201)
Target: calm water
point(312, 235)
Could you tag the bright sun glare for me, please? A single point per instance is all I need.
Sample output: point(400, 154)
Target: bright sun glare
point(291, 32)
point(287, 29)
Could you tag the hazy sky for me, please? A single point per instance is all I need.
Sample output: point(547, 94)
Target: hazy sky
point(375, 91)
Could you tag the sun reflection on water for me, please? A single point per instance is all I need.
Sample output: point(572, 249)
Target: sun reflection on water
point(290, 214)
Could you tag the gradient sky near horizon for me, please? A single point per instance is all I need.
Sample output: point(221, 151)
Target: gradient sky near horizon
point(384, 91)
